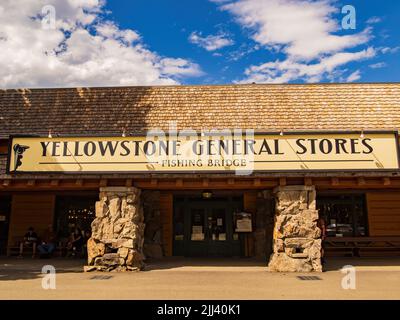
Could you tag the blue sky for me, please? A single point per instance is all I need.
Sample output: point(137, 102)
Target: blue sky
point(166, 25)
point(64, 43)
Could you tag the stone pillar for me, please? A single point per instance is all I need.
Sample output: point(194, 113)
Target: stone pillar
point(297, 237)
point(117, 231)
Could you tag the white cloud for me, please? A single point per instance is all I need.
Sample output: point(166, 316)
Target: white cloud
point(354, 76)
point(211, 42)
point(374, 20)
point(385, 50)
point(289, 70)
point(377, 65)
point(83, 50)
point(305, 31)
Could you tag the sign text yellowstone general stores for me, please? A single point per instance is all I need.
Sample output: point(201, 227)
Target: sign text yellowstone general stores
point(261, 152)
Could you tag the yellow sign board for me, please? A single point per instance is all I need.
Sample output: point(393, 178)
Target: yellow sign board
point(199, 153)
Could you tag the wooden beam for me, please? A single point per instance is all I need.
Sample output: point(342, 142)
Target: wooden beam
point(103, 183)
point(361, 181)
point(282, 181)
point(79, 182)
point(154, 182)
point(308, 182)
point(257, 182)
point(387, 181)
point(31, 183)
point(335, 181)
point(6, 183)
point(205, 183)
point(128, 183)
point(54, 183)
point(179, 182)
point(231, 181)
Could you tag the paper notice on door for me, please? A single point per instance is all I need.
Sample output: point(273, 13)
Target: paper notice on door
point(219, 222)
point(197, 237)
point(197, 229)
point(243, 225)
point(222, 237)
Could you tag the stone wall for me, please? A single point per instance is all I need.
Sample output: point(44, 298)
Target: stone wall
point(117, 231)
point(297, 243)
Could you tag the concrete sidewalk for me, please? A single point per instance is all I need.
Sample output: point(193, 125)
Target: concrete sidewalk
point(199, 279)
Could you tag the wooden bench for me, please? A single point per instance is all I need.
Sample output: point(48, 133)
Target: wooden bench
point(13, 248)
point(362, 246)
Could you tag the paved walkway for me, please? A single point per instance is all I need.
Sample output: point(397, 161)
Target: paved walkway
point(199, 279)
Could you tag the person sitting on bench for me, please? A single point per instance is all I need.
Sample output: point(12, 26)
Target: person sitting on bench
point(75, 243)
point(48, 243)
point(30, 240)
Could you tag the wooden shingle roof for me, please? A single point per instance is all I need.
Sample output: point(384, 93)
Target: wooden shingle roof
point(109, 110)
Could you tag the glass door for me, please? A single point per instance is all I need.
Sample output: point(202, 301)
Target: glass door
point(204, 227)
point(198, 231)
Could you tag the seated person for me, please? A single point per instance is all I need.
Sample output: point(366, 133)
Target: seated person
point(75, 242)
point(30, 240)
point(87, 236)
point(48, 243)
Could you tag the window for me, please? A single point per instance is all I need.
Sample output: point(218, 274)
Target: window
point(74, 212)
point(344, 215)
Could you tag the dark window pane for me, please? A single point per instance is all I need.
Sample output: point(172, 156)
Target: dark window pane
point(344, 215)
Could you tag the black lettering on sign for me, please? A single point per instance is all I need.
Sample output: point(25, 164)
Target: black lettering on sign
point(366, 144)
point(44, 148)
point(108, 146)
point(56, 145)
point(126, 149)
point(89, 148)
point(299, 143)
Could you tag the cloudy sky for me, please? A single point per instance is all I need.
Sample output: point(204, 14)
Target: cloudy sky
point(146, 42)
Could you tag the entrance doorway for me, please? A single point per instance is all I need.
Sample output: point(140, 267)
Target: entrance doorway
point(5, 209)
point(205, 227)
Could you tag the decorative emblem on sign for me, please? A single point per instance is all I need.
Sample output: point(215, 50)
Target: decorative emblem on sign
point(18, 151)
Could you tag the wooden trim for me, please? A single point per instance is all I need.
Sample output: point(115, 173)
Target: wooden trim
point(243, 183)
point(128, 183)
point(383, 213)
point(250, 205)
point(30, 209)
point(166, 213)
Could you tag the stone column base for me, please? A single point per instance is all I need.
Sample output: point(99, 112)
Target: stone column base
point(297, 243)
point(117, 231)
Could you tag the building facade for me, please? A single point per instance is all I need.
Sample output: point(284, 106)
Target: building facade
point(230, 170)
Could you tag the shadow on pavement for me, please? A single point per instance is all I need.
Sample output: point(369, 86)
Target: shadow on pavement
point(179, 262)
point(337, 263)
point(12, 268)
